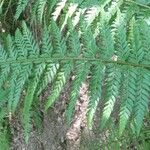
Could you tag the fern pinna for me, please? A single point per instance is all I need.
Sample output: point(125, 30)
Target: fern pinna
point(109, 42)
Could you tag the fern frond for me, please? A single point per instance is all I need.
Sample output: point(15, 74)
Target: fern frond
point(15, 69)
point(29, 98)
point(113, 84)
point(137, 53)
point(47, 47)
point(107, 41)
point(40, 9)
point(115, 5)
point(59, 7)
point(26, 110)
point(20, 7)
point(82, 70)
point(33, 52)
point(24, 72)
point(4, 138)
point(12, 81)
point(71, 10)
point(128, 97)
point(5, 68)
point(57, 41)
point(89, 43)
point(91, 14)
point(95, 89)
point(73, 43)
point(29, 42)
point(89, 50)
point(50, 7)
point(120, 38)
point(77, 16)
point(145, 38)
point(21, 80)
point(142, 100)
point(3, 94)
point(22, 52)
point(130, 35)
point(51, 67)
point(60, 81)
point(26, 47)
point(103, 3)
point(106, 47)
point(48, 76)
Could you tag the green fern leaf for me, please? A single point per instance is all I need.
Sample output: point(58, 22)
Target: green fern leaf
point(128, 97)
point(109, 40)
point(21, 80)
point(114, 7)
point(51, 68)
point(60, 5)
point(106, 47)
point(91, 14)
point(40, 9)
point(25, 70)
point(48, 76)
point(47, 47)
point(73, 43)
point(19, 43)
point(82, 70)
point(142, 100)
point(2, 96)
point(20, 7)
point(136, 45)
point(29, 98)
point(15, 69)
point(59, 83)
point(4, 68)
point(70, 12)
point(95, 88)
point(121, 44)
point(89, 43)
point(29, 42)
point(145, 38)
point(57, 41)
point(113, 83)
point(12, 84)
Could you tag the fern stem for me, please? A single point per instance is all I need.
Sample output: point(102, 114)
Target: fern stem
point(49, 59)
point(131, 1)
